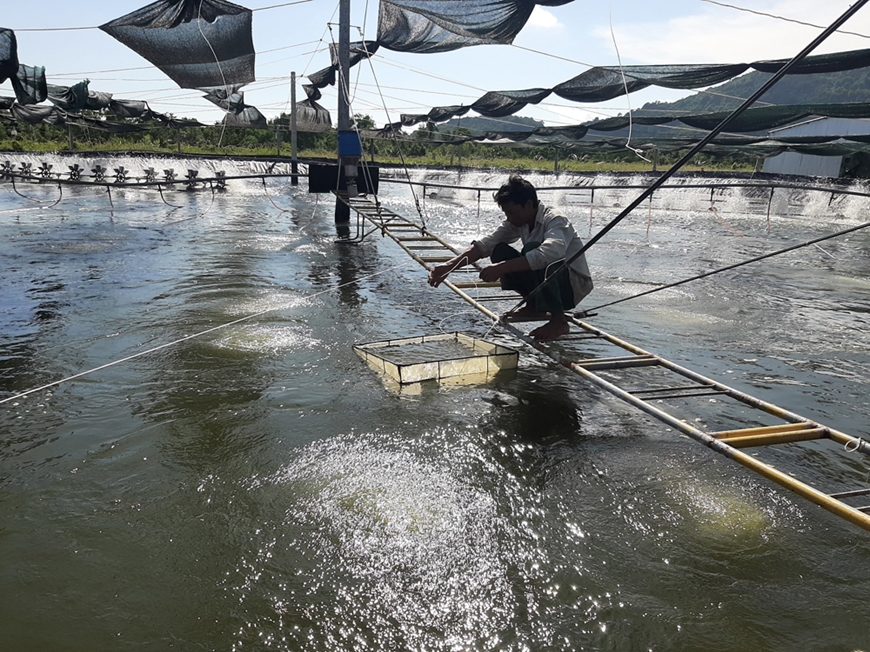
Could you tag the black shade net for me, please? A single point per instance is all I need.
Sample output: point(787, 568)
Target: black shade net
point(29, 84)
point(604, 83)
point(443, 25)
point(69, 98)
point(197, 43)
point(8, 54)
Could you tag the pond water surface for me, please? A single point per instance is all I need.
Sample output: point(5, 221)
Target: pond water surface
point(258, 487)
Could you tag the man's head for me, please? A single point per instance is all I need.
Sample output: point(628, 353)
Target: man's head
point(519, 201)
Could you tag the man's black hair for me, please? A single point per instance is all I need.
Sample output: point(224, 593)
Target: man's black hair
point(516, 191)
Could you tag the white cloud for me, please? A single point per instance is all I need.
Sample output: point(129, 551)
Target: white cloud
point(542, 18)
point(716, 34)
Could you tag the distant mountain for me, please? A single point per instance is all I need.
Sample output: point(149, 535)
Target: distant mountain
point(479, 125)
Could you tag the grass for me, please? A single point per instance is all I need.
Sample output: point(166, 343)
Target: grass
point(628, 162)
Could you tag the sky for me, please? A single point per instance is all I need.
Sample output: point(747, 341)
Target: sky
point(556, 44)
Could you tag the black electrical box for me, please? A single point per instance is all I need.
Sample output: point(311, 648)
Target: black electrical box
point(326, 177)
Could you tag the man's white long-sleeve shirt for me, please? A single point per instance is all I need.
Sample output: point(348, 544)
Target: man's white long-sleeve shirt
point(558, 239)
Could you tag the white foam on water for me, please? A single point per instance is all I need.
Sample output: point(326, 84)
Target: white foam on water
point(265, 338)
point(415, 547)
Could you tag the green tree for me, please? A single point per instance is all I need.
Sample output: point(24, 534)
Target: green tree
point(363, 122)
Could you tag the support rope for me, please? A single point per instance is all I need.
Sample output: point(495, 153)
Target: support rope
point(73, 29)
point(702, 143)
point(637, 152)
point(715, 212)
point(189, 337)
point(777, 17)
point(220, 70)
point(395, 138)
point(266, 190)
point(736, 265)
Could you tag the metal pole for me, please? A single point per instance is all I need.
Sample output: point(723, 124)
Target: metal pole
point(343, 64)
point(342, 211)
point(294, 163)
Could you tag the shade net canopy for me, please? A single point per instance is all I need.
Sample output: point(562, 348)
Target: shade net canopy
point(98, 100)
point(8, 54)
point(29, 84)
point(359, 50)
point(69, 98)
point(443, 25)
point(496, 104)
point(197, 43)
point(770, 117)
point(234, 102)
point(820, 63)
point(599, 84)
point(311, 116)
point(130, 109)
point(37, 114)
point(104, 125)
point(249, 117)
point(747, 135)
point(238, 113)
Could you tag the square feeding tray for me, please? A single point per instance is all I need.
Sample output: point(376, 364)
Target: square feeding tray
point(433, 357)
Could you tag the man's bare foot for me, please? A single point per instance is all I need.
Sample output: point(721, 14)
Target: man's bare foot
point(553, 329)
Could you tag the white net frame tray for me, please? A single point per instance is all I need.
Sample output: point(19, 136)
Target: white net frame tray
point(483, 358)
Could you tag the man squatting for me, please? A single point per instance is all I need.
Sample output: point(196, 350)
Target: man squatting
point(548, 238)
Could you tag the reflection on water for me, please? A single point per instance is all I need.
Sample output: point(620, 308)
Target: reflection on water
point(258, 487)
point(392, 530)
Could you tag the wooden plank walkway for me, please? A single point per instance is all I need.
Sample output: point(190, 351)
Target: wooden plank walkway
point(654, 385)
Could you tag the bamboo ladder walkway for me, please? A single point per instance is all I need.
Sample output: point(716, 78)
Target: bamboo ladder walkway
point(656, 386)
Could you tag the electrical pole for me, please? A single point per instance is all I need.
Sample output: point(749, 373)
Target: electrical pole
point(349, 145)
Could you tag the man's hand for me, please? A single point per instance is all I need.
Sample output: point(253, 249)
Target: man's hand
point(438, 273)
point(493, 272)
